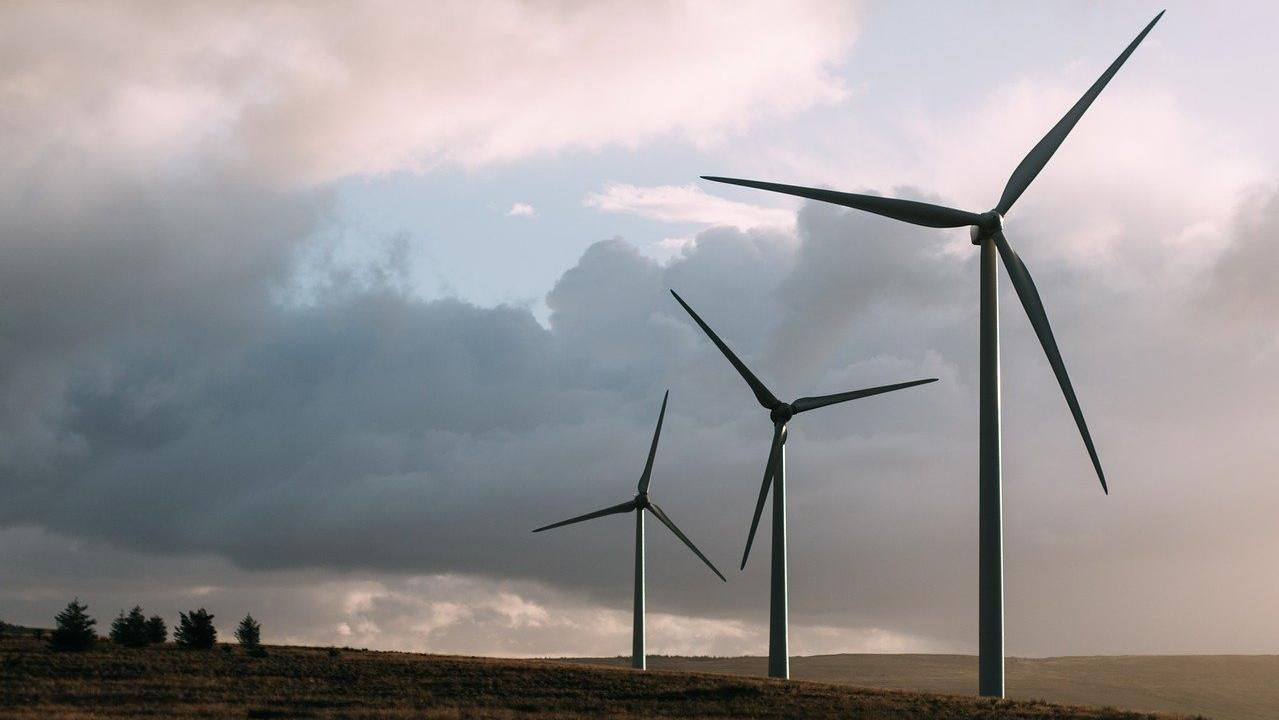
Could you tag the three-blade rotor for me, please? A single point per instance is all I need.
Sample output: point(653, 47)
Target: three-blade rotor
point(987, 225)
point(641, 502)
point(780, 412)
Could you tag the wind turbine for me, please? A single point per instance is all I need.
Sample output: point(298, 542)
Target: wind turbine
point(775, 474)
point(638, 505)
point(988, 232)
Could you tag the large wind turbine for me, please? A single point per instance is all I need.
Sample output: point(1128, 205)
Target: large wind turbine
point(638, 505)
point(988, 232)
point(775, 474)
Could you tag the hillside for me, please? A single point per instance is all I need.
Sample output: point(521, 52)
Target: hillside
point(317, 683)
point(1224, 687)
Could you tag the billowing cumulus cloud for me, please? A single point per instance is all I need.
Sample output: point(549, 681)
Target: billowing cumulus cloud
point(300, 93)
point(447, 613)
point(374, 432)
point(102, 268)
point(686, 204)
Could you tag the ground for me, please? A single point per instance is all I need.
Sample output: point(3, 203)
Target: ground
point(1223, 687)
point(297, 682)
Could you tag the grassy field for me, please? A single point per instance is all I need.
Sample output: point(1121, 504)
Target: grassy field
point(1223, 687)
point(298, 682)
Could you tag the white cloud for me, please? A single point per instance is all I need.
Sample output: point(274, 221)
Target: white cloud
point(1114, 172)
point(686, 204)
point(425, 613)
point(521, 210)
point(668, 248)
point(491, 617)
point(303, 93)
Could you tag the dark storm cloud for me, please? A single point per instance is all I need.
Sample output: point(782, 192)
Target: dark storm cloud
point(373, 430)
point(107, 275)
point(859, 278)
point(197, 411)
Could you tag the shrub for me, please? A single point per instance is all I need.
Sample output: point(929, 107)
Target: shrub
point(249, 633)
point(74, 628)
point(130, 630)
point(195, 630)
point(157, 631)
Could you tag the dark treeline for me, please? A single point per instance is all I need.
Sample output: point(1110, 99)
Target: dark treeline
point(75, 630)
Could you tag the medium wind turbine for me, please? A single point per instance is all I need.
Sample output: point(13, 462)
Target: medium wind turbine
point(638, 505)
point(988, 232)
point(775, 474)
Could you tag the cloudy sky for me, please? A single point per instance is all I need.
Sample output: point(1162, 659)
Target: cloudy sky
point(314, 313)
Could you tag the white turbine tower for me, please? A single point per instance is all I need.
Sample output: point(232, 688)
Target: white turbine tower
point(775, 475)
point(988, 233)
point(638, 505)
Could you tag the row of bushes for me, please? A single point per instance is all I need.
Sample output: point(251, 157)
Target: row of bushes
point(74, 630)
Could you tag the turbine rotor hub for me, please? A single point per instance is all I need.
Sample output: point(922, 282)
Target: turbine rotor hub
point(782, 413)
point(990, 223)
point(641, 500)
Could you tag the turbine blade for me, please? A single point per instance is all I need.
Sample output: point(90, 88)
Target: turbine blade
point(762, 394)
point(652, 450)
point(1029, 296)
point(671, 524)
point(812, 403)
point(763, 489)
point(917, 213)
point(1039, 155)
point(627, 506)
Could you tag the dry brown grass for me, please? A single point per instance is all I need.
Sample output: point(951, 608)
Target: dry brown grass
point(1223, 687)
point(296, 682)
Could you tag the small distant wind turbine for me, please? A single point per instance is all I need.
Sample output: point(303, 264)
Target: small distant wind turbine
point(775, 474)
point(987, 230)
point(638, 505)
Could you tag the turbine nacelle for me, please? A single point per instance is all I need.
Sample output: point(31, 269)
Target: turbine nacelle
point(990, 223)
point(782, 413)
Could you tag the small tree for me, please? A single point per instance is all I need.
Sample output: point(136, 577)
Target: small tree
point(74, 628)
point(195, 630)
point(157, 631)
point(130, 630)
point(249, 633)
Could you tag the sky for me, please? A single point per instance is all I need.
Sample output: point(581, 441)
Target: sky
point(314, 312)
